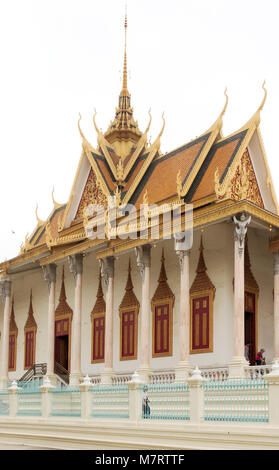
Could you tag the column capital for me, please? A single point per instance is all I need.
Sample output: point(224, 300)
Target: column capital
point(240, 230)
point(143, 254)
point(5, 288)
point(107, 268)
point(182, 242)
point(76, 264)
point(49, 274)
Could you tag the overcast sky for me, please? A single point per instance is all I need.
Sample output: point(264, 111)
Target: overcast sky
point(62, 57)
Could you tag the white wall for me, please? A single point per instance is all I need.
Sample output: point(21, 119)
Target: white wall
point(218, 255)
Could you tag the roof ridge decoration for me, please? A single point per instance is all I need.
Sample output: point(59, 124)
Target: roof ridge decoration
point(123, 126)
point(251, 126)
point(214, 130)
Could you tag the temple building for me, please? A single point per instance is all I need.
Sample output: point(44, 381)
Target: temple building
point(106, 307)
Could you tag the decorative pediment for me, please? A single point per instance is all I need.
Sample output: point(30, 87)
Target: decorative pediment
point(129, 298)
point(91, 194)
point(63, 307)
point(242, 185)
point(30, 322)
point(13, 325)
point(100, 304)
point(163, 291)
point(202, 282)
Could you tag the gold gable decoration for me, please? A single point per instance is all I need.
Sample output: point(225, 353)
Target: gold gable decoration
point(240, 186)
point(92, 194)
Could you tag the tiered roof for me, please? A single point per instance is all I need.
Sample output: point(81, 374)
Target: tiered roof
point(210, 172)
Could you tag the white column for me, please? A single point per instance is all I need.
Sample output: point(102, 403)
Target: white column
point(5, 287)
point(50, 277)
point(144, 263)
point(107, 272)
point(76, 267)
point(238, 362)
point(276, 305)
point(182, 370)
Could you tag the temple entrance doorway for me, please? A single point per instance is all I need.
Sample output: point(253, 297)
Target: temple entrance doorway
point(250, 326)
point(62, 341)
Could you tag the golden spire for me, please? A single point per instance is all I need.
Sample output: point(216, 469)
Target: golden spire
point(124, 83)
point(124, 128)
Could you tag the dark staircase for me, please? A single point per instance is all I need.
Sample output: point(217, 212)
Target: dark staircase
point(39, 370)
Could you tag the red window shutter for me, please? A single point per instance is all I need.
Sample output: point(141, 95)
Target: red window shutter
point(62, 327)
point(162, 320)
point(12, 351)
point(128, 334)
point(29, 349)
point(99, 338)
point(200, 323)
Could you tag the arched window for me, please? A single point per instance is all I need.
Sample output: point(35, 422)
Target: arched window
point(98, 316)
point(202, 295)
point(63, 322)
point(162, 316)
point(30, 331)
point(12, 340)
point(128, 312)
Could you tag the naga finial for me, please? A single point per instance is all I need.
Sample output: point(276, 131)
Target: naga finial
point(79, 128)
point(94, 121)
point(264, 98)
point(52, 197)
point(226, 103)
point(150, 119)
point(178, 184)
point(40, 221)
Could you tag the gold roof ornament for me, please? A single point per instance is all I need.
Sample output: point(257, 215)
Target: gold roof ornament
point(124, 127)
point(255, 120)
point(39, 221)
point(178, 184)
